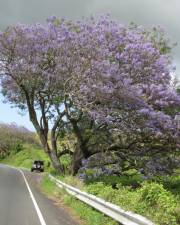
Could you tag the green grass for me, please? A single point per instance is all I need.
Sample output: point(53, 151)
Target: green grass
point(88, 215)
point(25, 157)
point(156, 199)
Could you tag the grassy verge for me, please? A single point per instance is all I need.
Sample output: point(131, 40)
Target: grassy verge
point(26, 156)
point(88, 215)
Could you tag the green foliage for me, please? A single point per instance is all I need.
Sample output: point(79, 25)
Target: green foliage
point(125, 180)
point(150, 199)
point(12, 139)
point(91, 216)
point(160, 202)
point(86, 213)
point(154, 193)
point(66, 162)
point(170, 183)
point(122, 196)
point(17, 147)
point(9, 146)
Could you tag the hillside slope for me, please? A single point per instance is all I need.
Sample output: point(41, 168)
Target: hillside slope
point(25, 157)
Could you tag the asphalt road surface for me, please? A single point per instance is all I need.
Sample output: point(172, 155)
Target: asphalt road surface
point(22, 204)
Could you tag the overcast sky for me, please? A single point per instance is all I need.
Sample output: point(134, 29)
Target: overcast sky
point(145, 12)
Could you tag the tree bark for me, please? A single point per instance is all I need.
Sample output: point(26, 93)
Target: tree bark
point(76, 160)
point(80, 151)
point(52, 153)
point(43, 134)
point(55, 162)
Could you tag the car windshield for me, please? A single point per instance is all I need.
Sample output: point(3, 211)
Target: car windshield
point(39, 162)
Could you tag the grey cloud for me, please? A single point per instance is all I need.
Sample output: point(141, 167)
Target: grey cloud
point(145, 12)
point(13, 11)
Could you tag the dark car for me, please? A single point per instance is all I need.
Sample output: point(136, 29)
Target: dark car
point(38, 165)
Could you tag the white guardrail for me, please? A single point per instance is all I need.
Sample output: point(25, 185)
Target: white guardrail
point(107, 208)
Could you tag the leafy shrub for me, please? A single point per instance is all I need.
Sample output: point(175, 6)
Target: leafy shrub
point(73, 181)
point(160, 202)
point(150, 200)
point(66, 162)
point(125, 180)
point(17, 147)
point(96, 188)
point(154, 194)
point(171, 183)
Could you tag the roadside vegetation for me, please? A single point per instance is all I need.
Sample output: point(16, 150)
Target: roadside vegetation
point(13, 137)
point(157, 198)
point(88, 215)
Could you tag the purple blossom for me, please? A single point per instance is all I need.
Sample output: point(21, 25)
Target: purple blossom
point(115, 73)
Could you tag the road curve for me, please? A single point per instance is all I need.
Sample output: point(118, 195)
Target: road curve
point(17, 206)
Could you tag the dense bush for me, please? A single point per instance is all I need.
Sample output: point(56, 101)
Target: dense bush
point(147, 198)
point(170, 183)
point(133, 180)
point(158, 201)
point(150, 200)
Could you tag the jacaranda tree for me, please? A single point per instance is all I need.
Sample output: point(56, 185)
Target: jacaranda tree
point(119, 75)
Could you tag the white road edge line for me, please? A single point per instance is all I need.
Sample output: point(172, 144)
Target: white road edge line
point(42, 221)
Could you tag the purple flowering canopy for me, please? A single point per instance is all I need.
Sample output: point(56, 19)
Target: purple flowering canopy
point(120, 75)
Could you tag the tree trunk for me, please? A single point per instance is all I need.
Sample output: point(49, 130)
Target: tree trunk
point(55, 162)
point(80, 150)
point(51, 153)
point(76, 160)
point(42, 130)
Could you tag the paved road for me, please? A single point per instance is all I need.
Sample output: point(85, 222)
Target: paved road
point(22, 204)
